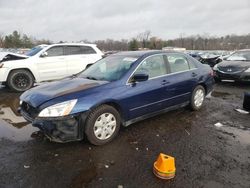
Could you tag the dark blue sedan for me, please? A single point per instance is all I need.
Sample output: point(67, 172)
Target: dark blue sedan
point(118, 90)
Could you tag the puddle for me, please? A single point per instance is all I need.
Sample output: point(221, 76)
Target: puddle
point(12, 125)
point(243, 136)
point(219, 94)
point(8, 131)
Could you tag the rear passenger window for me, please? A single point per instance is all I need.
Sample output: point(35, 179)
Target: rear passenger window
point(76, 50)
point(73, 50)
point(153, 66)
point(177, 63)
point(55, 51)
point(87, 50)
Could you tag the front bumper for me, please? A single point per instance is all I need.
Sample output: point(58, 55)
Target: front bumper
point(241, 76)
point(3, 74)
point(60, 129)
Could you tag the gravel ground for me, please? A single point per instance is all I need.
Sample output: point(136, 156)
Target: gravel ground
point(205, 155)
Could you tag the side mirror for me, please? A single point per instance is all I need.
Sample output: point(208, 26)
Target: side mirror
point(44, 54)
point(139, 77)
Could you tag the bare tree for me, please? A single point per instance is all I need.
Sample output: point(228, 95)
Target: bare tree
point(1, 41)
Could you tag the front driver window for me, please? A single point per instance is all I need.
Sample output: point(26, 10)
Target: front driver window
point(153, 66)
point(55, 51)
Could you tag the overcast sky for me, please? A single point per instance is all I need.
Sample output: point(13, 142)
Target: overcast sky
point(74, 20)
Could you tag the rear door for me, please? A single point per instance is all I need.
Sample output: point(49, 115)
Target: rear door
point(181, 80)
point(78, 57)
point(54, 65)
point(147, 96)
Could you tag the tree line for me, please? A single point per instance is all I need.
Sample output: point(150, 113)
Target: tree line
point(17, 40)
point(144, 40)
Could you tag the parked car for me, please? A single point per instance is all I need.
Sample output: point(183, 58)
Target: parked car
point(210, 59)
point(120, 89)
point(235, 67)
point(45, 63)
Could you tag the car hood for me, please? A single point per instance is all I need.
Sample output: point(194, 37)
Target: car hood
point(9, 56)
point(238, 64)
point(41, 94)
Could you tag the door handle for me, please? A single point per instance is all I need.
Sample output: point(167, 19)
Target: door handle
point(164, 82)
point(194, 74)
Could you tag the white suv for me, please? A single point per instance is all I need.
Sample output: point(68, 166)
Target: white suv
point(47, 62)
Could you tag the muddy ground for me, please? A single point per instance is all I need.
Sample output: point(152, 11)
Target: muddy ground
point(206, 155)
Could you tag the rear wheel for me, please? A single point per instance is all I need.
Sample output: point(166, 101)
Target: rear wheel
point(198, 97)
point(20, 80)
point(102, 125)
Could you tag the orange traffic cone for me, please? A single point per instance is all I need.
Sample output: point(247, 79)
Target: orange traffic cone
point(164, 167)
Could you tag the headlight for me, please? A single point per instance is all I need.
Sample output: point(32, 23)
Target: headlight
point(60, 109)
point(248, 70)
point(215, 67)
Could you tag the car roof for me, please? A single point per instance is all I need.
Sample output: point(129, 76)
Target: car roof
point(244, 50)
point(144, 52)
point(72, 44)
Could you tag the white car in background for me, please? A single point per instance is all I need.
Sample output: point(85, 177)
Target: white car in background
point(46, 63)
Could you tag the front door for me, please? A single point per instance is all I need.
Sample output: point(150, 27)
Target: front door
point(54, 65)
point(147, 96)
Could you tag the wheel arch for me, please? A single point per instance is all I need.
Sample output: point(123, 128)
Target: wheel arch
point(27, 69)
point(115, 105)
point(204, 86)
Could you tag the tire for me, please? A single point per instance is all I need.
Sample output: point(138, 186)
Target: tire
point(98, 129)
point(197, 99)
point(20, 80)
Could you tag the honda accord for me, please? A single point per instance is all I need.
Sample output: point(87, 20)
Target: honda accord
point(118, 90)
point(236, 67)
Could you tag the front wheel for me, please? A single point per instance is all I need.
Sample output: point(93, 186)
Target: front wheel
point(20, 80)
point(198, 97)
point(102, 125)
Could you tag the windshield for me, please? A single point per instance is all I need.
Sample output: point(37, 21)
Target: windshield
point(34, 51)
point(239, 56)
point(110, 69)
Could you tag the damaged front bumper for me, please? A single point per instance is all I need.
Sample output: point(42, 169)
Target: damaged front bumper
point(241, 76)
point(60, 129)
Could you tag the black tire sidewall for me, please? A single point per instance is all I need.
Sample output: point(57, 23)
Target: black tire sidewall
point(11, 84)
point(192, 105)
point(91, 119)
